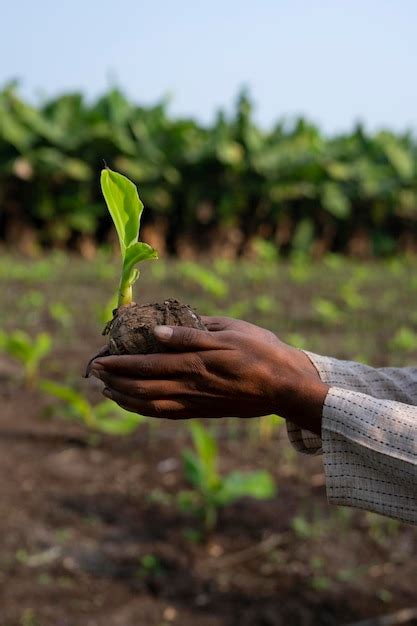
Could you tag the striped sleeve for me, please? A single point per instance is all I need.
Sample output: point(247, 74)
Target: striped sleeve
point(370, 453)
point(369, 440)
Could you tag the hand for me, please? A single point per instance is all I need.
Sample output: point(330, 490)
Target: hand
point(257, 332)
point(215, 324)
point(218, 373)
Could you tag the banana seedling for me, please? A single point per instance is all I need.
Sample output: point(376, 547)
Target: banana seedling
point(29, 352)
point(106, 417)
point(210, 490)
point(125, 208)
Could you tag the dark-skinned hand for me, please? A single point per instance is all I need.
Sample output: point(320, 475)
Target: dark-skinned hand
point(236, 369)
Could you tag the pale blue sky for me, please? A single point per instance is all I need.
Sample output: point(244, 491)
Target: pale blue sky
point(334, 61)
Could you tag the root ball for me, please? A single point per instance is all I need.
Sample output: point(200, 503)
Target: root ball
point(131, 329)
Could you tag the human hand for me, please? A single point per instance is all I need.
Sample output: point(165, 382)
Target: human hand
point(217, 374)
point(215, 324)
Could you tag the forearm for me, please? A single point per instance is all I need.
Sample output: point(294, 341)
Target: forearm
point(305, 404)
point(370, 453)
point(386, 383)
point(369, 443)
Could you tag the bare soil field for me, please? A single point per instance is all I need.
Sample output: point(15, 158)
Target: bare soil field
point(89, 535)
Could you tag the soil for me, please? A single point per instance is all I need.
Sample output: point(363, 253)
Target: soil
point(130, 330)
point(88, 534)
point(79, 517)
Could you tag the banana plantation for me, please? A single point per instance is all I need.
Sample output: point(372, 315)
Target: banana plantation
point(227, 185)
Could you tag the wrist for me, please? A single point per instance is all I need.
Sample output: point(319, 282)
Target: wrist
point(304, 393)
point(306, 364)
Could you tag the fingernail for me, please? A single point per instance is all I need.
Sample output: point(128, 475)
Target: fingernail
point(163, 332)
point(107, 393)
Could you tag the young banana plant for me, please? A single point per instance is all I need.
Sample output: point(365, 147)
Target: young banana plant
point(125, 208)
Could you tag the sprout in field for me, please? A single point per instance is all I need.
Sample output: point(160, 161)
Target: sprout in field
point(210, 490)
point(106, 417)
point(131, 329)
point(29, 352)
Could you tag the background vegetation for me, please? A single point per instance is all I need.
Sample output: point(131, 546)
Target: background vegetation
point(222, 186)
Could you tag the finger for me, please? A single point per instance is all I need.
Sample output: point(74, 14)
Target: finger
point(168, 409)
point(163, 365)
point(185, 338)
point(104, 351)
point(143, 389)
point(215, 323)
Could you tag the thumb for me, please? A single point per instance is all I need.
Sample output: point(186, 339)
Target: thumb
point(185, 338)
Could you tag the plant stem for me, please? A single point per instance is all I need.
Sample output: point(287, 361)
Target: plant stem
point(125, 294)
point(210, 517)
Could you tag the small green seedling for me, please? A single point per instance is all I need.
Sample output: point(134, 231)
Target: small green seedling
point(61, 314)
point(29, 352)
point(106, 417)
point(206, 279)
point(150, 566)
point(125, 208)
point(404, 340)
point(211, 491)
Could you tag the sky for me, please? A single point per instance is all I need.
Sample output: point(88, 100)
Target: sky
point(336, 62)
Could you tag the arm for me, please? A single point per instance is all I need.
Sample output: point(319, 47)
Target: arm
point(370, 453)
point(369, 444)
point(368, 440)
point(387, 383)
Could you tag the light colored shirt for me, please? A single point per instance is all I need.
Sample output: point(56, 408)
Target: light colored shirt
point(369, 436)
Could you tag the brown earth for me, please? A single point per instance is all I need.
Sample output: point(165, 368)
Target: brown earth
point(88, 537)
point(77, 520)
point(130, 330)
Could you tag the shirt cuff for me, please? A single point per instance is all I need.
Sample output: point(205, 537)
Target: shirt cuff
point(370, 453)
point(303, 440)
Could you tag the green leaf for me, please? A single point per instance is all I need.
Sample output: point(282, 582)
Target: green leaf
point(193, 469)
point(134, 254)
point(207, 451)
point(204, 278)
point(25, 349)
point(124, 205)
point(404, 340)
point(400, 157)
point(259, 485)
point(114, 420)
point(71, 397)
point(335, 201)
point(42, 345)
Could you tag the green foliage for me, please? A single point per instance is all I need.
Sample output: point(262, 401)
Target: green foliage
point(382, 530)
point(149, 565)
point(106, 417)
point(28, 351)
point(327, 311)
point(267, 425)
point(211, 490)
point(61, 314)
point(125, 207)
point(230, 181)
point(206, 279)
point(404, 340)
point(351, 296)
